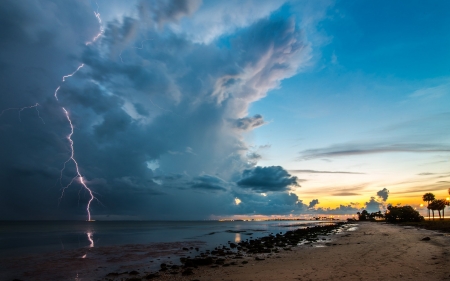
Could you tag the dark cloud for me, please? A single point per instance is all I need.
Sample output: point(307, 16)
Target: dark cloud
point(373, 205)
point(267, 179)
point(167, 10)
point(361, 149)
point(254, 156)
point(383, 194)
point(167, 102)
point(323, 172)
point(426, 174)
point(271, 203)
point(249, 123)
point(313, 203)
point(342, 209)
point(345, 194)
point(210, 183)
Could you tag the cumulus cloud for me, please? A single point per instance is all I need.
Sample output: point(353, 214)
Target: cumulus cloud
point(383, 194)
point(313, 203)
point(267, 179)
point(342, 209)
point(272, 203)
point(373, 205)
point(146, 93)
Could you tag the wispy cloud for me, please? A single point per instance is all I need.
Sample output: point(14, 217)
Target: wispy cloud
point(323, 172)
point(431, 92)
point(352, 149)
point(346, 194)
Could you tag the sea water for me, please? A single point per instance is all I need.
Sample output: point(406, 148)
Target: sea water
point(35, 237)
point(80, 250)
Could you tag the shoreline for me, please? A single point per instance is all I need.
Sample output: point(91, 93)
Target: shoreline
point(353, 251)
point(374, 251)
point(239, 254)
point(95, 263)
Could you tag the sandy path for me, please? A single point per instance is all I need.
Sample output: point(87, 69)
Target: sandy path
point(375, 251)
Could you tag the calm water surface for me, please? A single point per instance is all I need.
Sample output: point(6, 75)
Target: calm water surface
point(34, 237)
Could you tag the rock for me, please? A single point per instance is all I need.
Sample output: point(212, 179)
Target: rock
point(134, 272)
point(187, 271)
point(426, 239)
point(151, 276)
point(259, 259)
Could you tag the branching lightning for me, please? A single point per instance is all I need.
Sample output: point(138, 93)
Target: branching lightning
point(77, 168)
point(20, 109)
point(134, 47)
point(78, 175)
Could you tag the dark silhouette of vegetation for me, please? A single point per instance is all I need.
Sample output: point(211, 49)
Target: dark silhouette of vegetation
point(428, 197)
point(437, 205)
point(402, 214)
point(364, 215)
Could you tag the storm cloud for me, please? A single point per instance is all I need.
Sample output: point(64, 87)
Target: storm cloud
point(147, 93)
point(267, 179)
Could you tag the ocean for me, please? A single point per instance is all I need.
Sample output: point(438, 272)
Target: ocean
point(90, 249)
point(34, 237)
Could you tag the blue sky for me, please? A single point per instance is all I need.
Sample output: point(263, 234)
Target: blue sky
point(205, 109)
point(381, 76)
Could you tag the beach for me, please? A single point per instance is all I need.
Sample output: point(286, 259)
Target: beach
point(357, 251)
point(374, 251)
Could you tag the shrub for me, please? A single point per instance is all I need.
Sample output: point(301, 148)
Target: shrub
point(402, 214)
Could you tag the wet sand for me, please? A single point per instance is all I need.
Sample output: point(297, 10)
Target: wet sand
point(375, 251)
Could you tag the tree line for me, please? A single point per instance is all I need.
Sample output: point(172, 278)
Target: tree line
point(435, 204)
point(408, 213)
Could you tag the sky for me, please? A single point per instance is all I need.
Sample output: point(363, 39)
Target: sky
point(180, 110)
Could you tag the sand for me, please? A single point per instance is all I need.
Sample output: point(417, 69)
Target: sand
point(375, 251)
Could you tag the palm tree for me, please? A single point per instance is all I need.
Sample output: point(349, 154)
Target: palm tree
point(447, 203)
point(437, 205)
point(428, 197)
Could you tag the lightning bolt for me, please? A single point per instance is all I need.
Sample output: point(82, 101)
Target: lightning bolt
point(78, 175)
point(89, 236)
point(134, 47)
point(20, 109)
point(77, 168)
point(99, 19)
point(64, 79)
